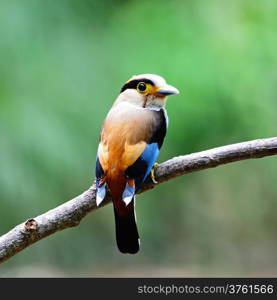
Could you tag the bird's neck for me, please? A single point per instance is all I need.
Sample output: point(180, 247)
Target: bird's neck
point(155, 103)
point(138, 100)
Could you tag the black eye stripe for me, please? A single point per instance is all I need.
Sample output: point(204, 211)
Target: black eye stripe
point(133, 84)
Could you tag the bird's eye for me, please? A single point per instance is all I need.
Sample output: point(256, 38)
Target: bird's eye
point(141, 87)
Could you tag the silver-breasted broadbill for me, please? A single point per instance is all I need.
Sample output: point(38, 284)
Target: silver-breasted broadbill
point(130, 141)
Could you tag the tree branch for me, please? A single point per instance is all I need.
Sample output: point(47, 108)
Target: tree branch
point(72, 212)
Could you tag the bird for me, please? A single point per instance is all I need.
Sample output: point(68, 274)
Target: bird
point(131, 137)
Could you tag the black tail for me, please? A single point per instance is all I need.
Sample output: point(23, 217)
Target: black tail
point(127, 236)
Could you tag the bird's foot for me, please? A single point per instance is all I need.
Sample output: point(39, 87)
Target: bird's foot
point(153, 173)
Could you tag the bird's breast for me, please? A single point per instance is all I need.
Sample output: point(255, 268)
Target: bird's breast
point(124, 135)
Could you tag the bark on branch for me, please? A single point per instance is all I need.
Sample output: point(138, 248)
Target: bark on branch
point(72, 212)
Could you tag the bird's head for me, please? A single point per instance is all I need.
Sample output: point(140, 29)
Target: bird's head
point(146, 90)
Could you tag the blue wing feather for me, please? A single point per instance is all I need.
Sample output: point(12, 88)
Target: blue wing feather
point(99, 172)
point(100, 186)
point(142, 166)
point(150, 155)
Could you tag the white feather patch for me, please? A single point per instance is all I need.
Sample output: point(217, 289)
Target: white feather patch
point(99, 200)
point(101, 193)
point(128, 193)
point(127, 200)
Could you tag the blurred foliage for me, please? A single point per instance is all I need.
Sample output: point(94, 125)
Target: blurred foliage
point(62, 65)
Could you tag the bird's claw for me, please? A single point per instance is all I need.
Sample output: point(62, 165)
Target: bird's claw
point(153, 173)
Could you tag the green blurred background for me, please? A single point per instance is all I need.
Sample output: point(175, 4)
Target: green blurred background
point(62, 64)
